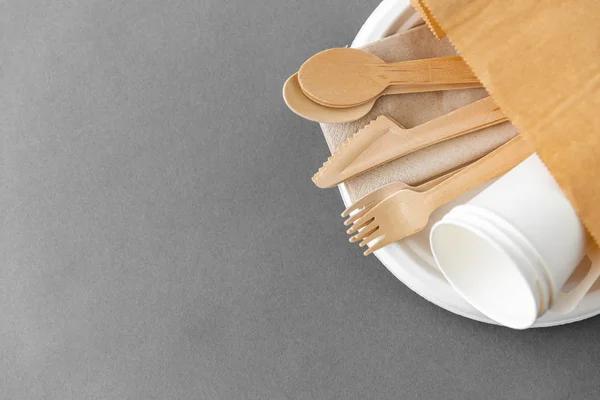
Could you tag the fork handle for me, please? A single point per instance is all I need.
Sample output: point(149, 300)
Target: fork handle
point(436, 181)
point(493, 165)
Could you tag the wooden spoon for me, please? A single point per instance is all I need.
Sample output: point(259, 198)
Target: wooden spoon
point(347, 77)
point(303, 106)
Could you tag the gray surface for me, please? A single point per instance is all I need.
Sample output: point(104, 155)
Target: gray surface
point(163, 240)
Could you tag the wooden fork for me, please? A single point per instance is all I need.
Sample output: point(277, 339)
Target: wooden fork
point(407, 211)
point(370, 200)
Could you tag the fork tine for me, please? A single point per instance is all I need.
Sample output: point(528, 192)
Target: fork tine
point(374, 235)
point(358, 204)
point(366, 231)
point(357, 215)
point(363, 221)
point(348, 211)
point(377, 194)
point(380, 244)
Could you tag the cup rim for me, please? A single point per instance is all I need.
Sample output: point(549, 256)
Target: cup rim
point(521, 275)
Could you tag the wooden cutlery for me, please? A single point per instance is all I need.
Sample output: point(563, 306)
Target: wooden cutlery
point(407, 211)
point(342, 84)
point(347, 77)
point(370, 200)
point(303, 106)
point(384, 140)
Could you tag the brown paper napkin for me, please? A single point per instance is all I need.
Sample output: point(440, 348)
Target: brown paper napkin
point(414, 109)
point(540, 61)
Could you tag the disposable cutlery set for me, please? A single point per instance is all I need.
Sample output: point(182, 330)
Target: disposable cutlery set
point(521, 251)
point(343, 84)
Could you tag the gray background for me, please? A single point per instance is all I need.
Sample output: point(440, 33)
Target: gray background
point(162, 238)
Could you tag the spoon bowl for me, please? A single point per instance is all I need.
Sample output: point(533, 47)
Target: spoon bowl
point(342, 77)
point(299, 103)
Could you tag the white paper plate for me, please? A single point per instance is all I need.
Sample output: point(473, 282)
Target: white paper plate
point(410, 260)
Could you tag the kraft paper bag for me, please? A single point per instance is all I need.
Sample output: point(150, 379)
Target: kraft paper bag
point(540, 61)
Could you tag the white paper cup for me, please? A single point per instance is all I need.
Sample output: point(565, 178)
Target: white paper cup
point(511, 249)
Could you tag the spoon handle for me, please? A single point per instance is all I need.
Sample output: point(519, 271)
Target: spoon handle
point(430, 87)
point(427, 71)
point(491, 166)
